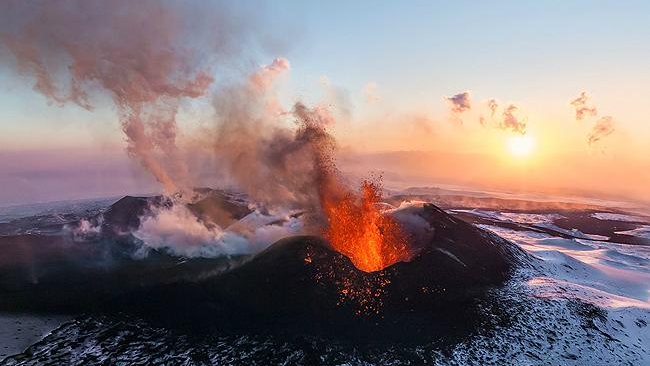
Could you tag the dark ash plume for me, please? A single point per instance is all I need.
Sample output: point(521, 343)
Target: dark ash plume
point(279, 159)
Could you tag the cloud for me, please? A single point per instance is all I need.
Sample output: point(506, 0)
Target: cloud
point(603, 127)
point(512, 120)
point(493, 106)
point(460, 102)
point(582, 108)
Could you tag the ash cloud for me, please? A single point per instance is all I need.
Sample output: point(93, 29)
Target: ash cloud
point(582, 107)
point(147, 56)
point(603, 127)
point(277, 159)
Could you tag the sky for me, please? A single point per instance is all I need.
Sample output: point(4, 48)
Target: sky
point(388, 68)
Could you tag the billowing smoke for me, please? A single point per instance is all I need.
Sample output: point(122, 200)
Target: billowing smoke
point(282, 160)
point(512, 120)
point(278, 159)
point(147, 55)
point(460, 102)
point(581, 105)
point(178, 231)
point(602, 128)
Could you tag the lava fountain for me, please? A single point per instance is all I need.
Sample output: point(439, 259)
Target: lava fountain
point(359, 230)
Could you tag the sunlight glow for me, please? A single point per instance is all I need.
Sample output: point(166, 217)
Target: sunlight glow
point(521, 145)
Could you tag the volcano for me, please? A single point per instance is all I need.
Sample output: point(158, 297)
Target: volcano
point(300, 284)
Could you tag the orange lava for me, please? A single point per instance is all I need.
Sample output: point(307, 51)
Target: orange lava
point(359, 230)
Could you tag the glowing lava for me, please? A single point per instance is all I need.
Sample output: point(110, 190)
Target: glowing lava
point(359, 230)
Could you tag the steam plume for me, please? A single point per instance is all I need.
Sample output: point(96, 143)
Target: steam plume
point(147, 55)
point(582, 108)
point(602, 128)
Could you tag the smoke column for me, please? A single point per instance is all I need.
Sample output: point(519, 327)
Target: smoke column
point(147, 55)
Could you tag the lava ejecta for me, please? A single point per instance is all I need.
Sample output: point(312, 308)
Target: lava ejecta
point(359, 230)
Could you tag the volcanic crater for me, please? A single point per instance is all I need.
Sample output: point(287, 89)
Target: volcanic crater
point(298, 285)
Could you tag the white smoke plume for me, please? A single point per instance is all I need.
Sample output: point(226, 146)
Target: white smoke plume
point(582, 107)
point(176, 230)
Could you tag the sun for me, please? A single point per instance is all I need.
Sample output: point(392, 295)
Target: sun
point(521, 146)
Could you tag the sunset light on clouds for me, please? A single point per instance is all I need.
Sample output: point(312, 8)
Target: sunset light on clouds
point(535, 102)
point(291, 182)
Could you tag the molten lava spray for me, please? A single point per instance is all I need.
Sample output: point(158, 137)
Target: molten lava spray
point(359, 230)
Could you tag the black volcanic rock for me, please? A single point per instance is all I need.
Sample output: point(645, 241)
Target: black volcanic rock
point(297, 285)
point(124, 215)
point(219, 209)
point(214, 208)
point(300, 284)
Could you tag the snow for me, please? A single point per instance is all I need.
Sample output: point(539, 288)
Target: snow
point(516, 217)
point(641, 232)
point(565, 274)
point(618, 217)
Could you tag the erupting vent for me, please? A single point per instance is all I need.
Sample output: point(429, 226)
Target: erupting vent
point(358, 229)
